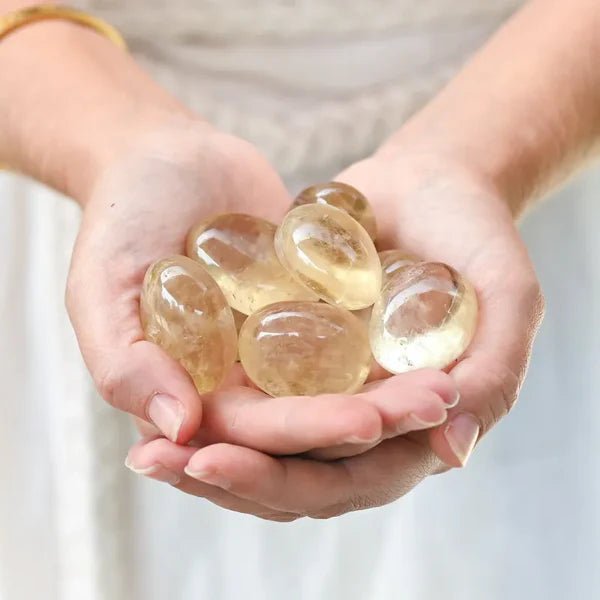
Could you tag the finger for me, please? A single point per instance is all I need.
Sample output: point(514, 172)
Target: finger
point(412, 401)
point(229, 501)
point(292, 425)
point(295, 485)
point(162, 460)
point(287, 425)
point(489, 376)
point(409, 402)
point(129, 372)
point(314, 488)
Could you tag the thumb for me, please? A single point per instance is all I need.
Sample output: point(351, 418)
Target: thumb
point(490, 374)
point(130, 373)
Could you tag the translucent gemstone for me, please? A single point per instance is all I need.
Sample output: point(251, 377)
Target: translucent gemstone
point(392, 260)
point(185, 313)
point(239, 319)
point(305, 348)
point(344, 196)
point(237, 250)
point(425, 317)
point(328, 251)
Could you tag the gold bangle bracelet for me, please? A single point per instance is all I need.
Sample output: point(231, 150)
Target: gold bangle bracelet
point(45, 12)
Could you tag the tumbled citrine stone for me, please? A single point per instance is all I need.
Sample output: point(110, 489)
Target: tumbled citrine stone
point(305, 348)
point(237, 250)
point(238, 319)
point(183, 311)
point(392, 260)
point(425, 317)
point(343, 196)
point(328, 251)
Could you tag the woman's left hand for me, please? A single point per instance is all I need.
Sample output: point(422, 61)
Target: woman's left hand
point(439, 211)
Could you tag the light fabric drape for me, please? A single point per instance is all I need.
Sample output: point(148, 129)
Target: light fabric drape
point(522, 522)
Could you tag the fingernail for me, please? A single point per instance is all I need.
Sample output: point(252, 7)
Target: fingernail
point(167, 414)
point(158, 472)
point(452, 403)
point(208, 476)
point(423, 420)
point(356, 439)
point(461, 434)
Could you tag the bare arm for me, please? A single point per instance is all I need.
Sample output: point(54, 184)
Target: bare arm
point(525, 112)
point(70, 101)
point(519, 118)
point(79, 114)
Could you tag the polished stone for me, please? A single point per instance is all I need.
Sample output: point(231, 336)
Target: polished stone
point(305, 348)
point(237, 250)
point(328, 251)
point(392, 260)
point(425, 317)
point(239, 319)
point(183, 311)
point(343, 196)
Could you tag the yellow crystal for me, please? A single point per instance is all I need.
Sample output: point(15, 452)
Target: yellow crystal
point(183, 311)
point(305, 348)
point(343, 196)
point(328, 251)
point(239, 319)
point(425, 317)
point(392, 260)
point(237, 250)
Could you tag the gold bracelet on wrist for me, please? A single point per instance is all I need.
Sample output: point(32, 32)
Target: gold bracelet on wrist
point(45, 12)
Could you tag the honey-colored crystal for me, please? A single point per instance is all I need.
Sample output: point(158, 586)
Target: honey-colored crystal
point(328, 251)
point(238, 319)
point(425, 317)
point(392, 260)
point(305, 348)
point(343, 196)
point(183, 311)
point(237, 250)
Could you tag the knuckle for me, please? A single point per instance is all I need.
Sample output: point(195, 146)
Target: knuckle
point(109, 381)
point(505, 385)
point(533, 300)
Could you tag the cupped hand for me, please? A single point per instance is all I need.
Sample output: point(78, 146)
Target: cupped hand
point(439, 211)
point(141, 209)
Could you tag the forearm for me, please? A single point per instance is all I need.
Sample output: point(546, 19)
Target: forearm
point(525, 112)
point(70, 101)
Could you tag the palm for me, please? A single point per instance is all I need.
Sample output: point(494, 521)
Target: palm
point(439, 216)
point(162, 196)
point(141, 211)
point(442, 214)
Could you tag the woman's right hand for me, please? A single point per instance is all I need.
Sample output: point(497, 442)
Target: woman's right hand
point(140, 209)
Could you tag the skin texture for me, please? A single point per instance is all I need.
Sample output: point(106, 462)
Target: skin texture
point(488, 377)
point(450, 184)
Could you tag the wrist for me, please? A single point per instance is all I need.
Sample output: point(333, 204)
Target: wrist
point(71, 103)
point(133, 129)
point(424, 158)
